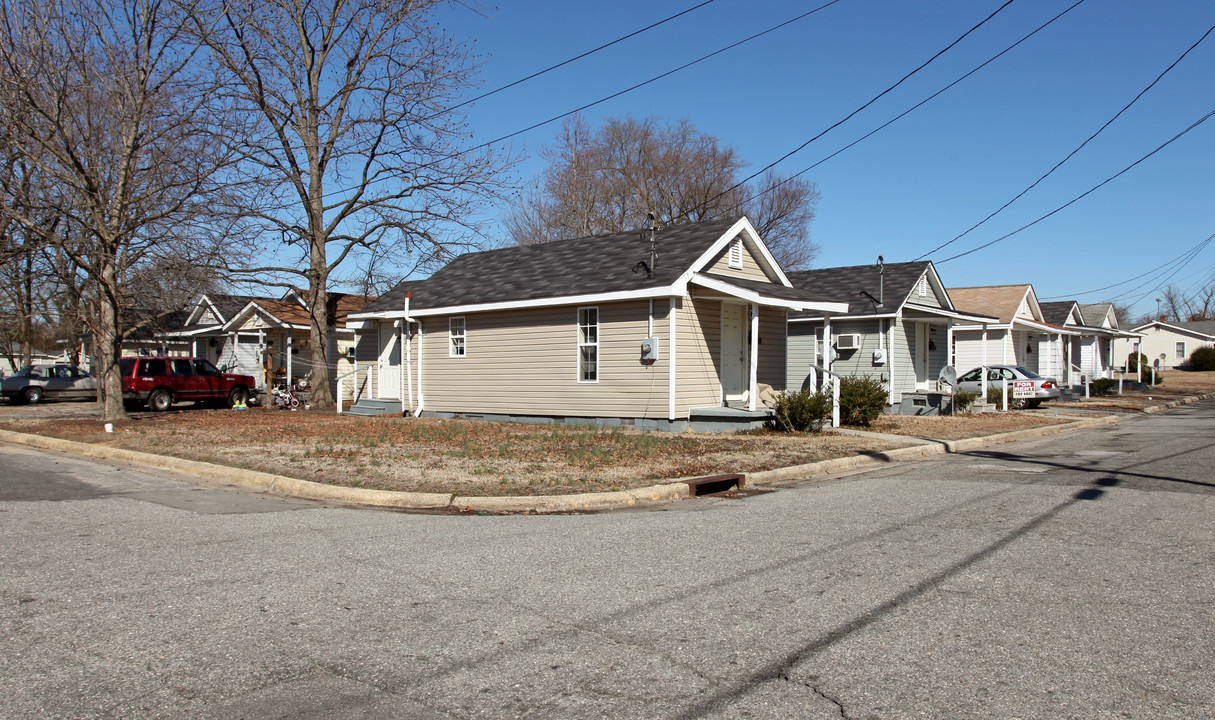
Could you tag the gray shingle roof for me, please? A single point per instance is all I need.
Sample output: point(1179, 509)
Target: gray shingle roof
point(1206, 327)
point(1094, 314)
point(1056, 313)
point(844, 285)
point(562, 268)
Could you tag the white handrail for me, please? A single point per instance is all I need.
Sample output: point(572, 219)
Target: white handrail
point(835, 391)
point(357, 386)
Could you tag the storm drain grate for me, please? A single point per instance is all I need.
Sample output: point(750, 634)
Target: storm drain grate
point(714, 484)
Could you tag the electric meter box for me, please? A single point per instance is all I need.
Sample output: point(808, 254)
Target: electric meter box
point(649, 349)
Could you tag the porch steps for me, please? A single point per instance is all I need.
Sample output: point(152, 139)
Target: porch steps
point(367, 407)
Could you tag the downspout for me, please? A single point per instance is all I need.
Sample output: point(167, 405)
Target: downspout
point(407, 367)
point(671, 377)
point(421, 397)
point(887, 341)
point(754, 370)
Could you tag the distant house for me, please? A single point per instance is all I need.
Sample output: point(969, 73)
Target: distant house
point(262, 336)
point(669, 329)
point(897, 328)
point(1168, 342)
point(1064, 340)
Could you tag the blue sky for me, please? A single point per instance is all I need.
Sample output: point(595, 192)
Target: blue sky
point(931, 175)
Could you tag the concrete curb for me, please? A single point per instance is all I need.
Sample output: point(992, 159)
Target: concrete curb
point(654, 494)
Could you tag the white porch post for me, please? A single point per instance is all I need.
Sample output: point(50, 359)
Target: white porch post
point(828, 356)
point(354, 382)
point(671, 366)
point(194, 347)
point(1008, 338)
point(753, 373)
point(887, 344)
point(261, 357)
point(289, 348)
point(896, 327)
point(983, 364)
point(949, 359)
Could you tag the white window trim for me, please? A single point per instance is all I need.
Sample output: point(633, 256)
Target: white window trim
point(1180, 351)
point(451, 337)
point(581, 344)
point(736, 254)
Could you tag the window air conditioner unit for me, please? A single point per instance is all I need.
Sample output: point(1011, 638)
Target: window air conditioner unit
point(849, 341)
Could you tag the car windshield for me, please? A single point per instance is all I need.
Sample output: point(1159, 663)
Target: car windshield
point(1028, 373)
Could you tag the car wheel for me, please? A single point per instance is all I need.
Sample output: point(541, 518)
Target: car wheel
point(1031, 404)
point(34, 394)
point(238, 396)
point(160, 400)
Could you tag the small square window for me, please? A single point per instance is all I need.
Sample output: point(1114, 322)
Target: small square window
point(456, 334)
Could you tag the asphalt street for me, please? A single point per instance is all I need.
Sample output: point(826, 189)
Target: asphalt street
point(1064, 577)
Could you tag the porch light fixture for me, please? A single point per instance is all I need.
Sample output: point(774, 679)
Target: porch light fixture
point(1029, 349)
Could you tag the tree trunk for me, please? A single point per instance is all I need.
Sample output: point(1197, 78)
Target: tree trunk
point(320, 394)
point(108, 346)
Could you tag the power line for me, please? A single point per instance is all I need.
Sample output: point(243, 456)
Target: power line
point(563, 63)
point(1080, 147)
point(656, 78)
point(1084, 194)
point(1199, 246)
point(852, 114)
point(918, 105)
point(1139, 299)
point(600, 101)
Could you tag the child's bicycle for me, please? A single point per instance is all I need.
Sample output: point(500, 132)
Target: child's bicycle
point(285, 397)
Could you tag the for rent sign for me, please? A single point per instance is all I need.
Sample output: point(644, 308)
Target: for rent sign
point(1023, 389)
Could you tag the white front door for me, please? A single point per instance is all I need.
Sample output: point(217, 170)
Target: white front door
point(734, 363)
point(388, 372)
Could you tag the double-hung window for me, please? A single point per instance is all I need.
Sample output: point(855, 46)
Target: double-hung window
point(588, 344)
point(1181, 351)
point(456, 334)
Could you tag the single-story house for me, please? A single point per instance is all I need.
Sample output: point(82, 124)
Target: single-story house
point(1169, 342)
point(666, 329)
point(898, 328)
point(1068, 341)
point(265, 337)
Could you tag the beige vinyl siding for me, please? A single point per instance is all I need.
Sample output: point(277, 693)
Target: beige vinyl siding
point(697, 359)
point(367, 353)
point(801, 355)
point(772, 359)
point(751, 269)
point(525, 362)
point(207, 317)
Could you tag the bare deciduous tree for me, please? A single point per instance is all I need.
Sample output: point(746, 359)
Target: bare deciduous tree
point(608, 180)
point(107, 105)
point(353, 141)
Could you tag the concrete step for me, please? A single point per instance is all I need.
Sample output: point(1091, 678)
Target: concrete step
point(370, 408)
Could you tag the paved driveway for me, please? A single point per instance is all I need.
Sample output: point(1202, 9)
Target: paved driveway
point(1065, 577)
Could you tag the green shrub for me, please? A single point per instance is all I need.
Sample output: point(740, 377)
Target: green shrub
point(1103, 386)
point(1203, 358)
point(995, 395)
point(963, 399)
point(862, 400)
point(800, 411)
point(1133, 361)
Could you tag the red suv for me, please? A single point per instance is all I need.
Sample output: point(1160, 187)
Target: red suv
point(162, 381)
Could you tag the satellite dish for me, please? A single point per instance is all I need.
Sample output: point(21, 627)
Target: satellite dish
point(949, 375)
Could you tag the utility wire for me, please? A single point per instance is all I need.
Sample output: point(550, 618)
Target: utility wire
point(852, 114)
point(563, 63)
point(1084, 194)
point(1129, 280)
point(600, 101)
point(918, 105)
point(1140, 299)
point(1080, 147)
point(656, 78)
point(1180, 261)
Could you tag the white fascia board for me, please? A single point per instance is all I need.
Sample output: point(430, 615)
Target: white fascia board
point(938, 286)
point(194, 332)
point(756, 244)
point(659, 292)
point(843, 318)
point(198, 308)
point(1172, 328)
point(755, 297)
point(944, 312)
point(250, 308)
